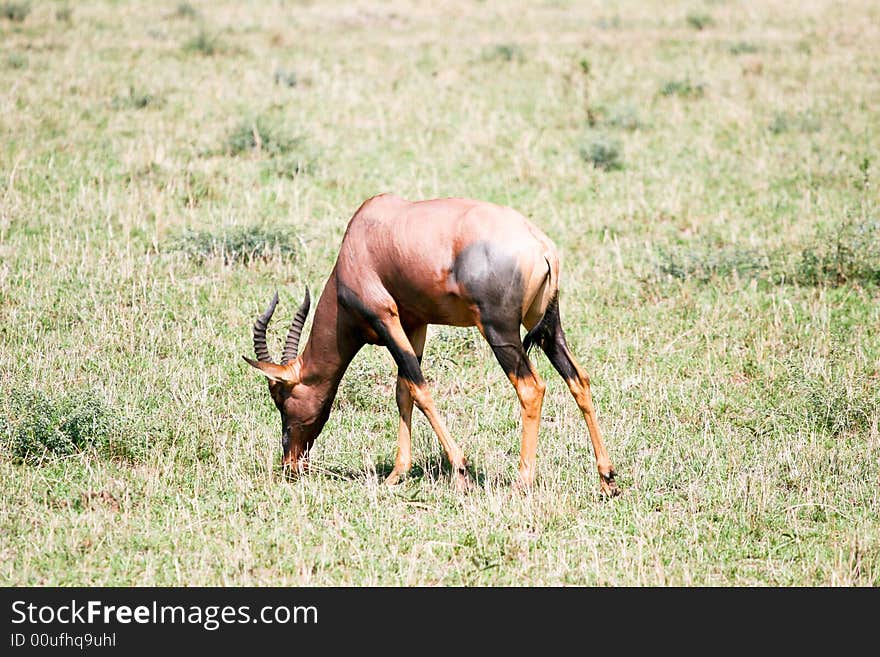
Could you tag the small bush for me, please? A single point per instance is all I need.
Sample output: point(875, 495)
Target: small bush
point(624, 117)
point(134, 99)
point(64, 14)
point(285, 78)
point(742, 48)
point(30, 426)
point(34, 426)
point(186, 10)
point(86, 419)
point(261, 135)
point(850, 254)
point(838, 410)
point(603, 153)
point(699, 21)
point(504, 52)
point(847, 254)
point(238, 244)
point(703, 262)
point(805, 122)
point(779, 124)
point(804, 46)
point(15, 11)
point(289, 165)
point(682, 88)
point(204, 44)
point(196, 189)
point(16, 61)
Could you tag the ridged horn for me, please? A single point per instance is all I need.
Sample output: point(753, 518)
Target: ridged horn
point(260, 348)
point(291, 345)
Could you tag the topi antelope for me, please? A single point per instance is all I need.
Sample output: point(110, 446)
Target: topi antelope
point(402, 266)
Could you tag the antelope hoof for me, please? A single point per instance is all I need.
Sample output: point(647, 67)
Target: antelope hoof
point(463, 482)
point(608, 485)
point(523, 483)
point(394, 478)
point(294, 469)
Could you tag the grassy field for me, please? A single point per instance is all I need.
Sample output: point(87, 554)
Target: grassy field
point(708, 170)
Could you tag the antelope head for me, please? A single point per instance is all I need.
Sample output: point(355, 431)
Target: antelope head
point(295, 400)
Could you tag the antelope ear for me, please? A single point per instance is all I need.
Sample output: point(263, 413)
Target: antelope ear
point(277, 373)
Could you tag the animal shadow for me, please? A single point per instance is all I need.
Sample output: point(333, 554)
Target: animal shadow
point(433, 468)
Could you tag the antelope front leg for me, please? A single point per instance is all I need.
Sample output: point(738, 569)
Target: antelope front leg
point(410, 372)
point(422, 398)
point(403, 462)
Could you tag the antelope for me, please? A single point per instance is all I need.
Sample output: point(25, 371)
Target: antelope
point(404, 265)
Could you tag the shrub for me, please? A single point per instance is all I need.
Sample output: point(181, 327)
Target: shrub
point(742, 48)
point(134, 99)
point(699, 21)
point(86, 419)
point(703, 262)
point(805, 122)
point(285, 77)
point(196, 188)
point(238, 244)
point(289, 165)
point(16, 60)
point(603, 153)
point(34, 426)
point(625, 117)
point(186, 10)
point(847, 254)
point(850, 255)
point(504, 52)
point(779, 124)
point(204, 44)
point(682, 89)
point(838, 410)
point(261, 135)
point(15, 11)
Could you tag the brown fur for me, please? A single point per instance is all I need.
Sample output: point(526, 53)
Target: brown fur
point(399, 269)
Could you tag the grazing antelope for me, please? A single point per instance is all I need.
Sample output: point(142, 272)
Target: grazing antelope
point(402, 266)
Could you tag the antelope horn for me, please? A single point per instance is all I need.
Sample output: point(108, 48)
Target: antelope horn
point(260, 348)
point(291, 345)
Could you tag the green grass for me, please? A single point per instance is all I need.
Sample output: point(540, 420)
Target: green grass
point(721, 289)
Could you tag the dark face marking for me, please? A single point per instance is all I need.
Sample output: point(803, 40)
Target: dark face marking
point(407, 364)
point(303, 415)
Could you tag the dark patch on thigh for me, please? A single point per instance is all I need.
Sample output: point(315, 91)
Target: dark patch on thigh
point(491, 278)
point(407, 364)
